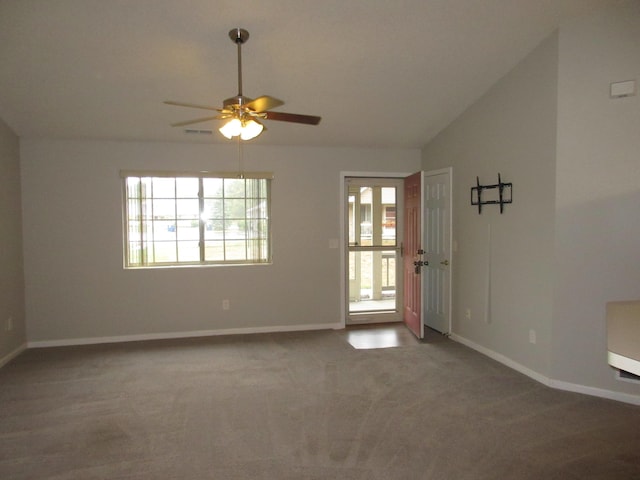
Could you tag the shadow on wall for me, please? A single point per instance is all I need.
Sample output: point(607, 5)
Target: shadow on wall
point(597, 261)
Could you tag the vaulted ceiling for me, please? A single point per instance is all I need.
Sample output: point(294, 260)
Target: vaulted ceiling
point(380, 73)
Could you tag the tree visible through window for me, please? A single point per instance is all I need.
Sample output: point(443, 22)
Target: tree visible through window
point(194, 220)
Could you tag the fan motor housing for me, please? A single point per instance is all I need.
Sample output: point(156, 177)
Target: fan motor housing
point(238, 100)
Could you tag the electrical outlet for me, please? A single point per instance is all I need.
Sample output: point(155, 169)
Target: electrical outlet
point(467, 313)
point(9, 324)
point(226, 305)
point(532, 336)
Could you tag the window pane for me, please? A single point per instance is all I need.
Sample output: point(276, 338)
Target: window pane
point(234, 188)
point(164, 209)
point(236, 250)
point(188, 252)
point(352, 223)
point(372, 281)
point(133, 187)
point(212, 187)
point(213, 209)
point(256, 188)
point(352, 269)
point(388, 195)
point(235, 209)
point(388, 216)
point(164, 230)
point(134, 253)
point(256, 229)
point(256, 208)
point(164, 252)
point(146, 209)
point(213, 230)
point(257, 250)
point(188, 230)
point(147, 230)
point(233, 231)
point(188, 208)
point(133, 207)
point(187, 187)
point(163, 187)
point(134, 230)
point(214, 251)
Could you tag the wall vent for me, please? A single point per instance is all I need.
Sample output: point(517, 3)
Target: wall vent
point(623, 89)
point(196, 131)
point(627, 376)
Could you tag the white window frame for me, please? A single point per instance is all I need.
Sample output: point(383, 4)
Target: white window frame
point(135, 249)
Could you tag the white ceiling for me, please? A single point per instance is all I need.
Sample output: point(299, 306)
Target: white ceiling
point(380, 73)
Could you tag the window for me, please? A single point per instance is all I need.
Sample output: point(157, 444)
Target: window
point(196, 219)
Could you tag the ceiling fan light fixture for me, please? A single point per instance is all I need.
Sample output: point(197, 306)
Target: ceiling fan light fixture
point(247, 130)
point(251, 129)
point(231, 129)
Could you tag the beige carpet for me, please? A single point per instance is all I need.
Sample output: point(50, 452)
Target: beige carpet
point(299, 406)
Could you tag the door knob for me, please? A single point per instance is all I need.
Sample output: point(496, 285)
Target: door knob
point(444, 262)
point(419, 264)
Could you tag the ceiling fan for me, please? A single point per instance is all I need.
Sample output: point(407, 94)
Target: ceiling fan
point(244, 113)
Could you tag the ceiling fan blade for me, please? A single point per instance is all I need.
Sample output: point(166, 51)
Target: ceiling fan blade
point(191, 105)
point(293, 117)
point(264, 103)
point(197, 120)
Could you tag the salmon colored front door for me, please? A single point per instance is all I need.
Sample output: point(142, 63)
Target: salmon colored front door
point(412, 254)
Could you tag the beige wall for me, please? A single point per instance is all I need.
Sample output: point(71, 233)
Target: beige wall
point(502, 266)
point(77, 288)
point(569, 242)
point(598, 191)
point(11, 272)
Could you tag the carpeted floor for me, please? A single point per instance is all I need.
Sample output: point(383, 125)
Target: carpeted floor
point(299, 406)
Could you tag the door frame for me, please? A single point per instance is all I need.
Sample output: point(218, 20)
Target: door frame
point(343, 233)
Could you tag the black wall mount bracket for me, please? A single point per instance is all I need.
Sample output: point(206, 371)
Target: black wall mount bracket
point(504, 191)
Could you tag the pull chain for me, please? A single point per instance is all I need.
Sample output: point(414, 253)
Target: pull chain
point(240, 159)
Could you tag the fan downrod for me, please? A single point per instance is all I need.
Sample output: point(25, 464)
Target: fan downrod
point(239, 35)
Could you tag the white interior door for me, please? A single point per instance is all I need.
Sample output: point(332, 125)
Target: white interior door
point(436, 214)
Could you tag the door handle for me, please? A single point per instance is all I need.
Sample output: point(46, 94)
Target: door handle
point(418, 264)
point(444, 262)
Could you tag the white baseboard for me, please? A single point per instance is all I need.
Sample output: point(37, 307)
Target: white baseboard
point(11, 355)
point(549, 382)
point(169, 335)
point(596, 392)
point(501, 358)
